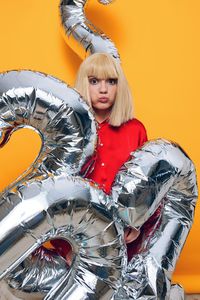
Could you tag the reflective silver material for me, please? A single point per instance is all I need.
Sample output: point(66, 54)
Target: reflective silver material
point(37, 274)
point(80, 34)
point(105, 1)
point(177, 292)
point(56, 111)
point(68, 208)
point(47, 203)
point(159, 174)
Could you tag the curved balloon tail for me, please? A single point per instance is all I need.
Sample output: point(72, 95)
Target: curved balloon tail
point(80, 34)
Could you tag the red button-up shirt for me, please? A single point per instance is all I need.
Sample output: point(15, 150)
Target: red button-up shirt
point(113, 149)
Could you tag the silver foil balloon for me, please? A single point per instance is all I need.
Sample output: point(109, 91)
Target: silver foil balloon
point(177, 292)
point(53, 109)
point(80, 34)
point(161, 176)
point(51, 201)
point(67, 208)
point(48, 203)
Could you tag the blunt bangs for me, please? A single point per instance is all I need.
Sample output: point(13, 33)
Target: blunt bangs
point(101, 66)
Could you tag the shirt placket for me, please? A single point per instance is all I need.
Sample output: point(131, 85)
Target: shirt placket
point(102, 154)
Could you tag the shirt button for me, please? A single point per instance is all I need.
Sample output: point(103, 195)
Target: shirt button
point(101, 144)
point(102, 164)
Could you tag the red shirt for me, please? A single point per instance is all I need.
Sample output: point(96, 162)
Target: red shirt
point(113, 149)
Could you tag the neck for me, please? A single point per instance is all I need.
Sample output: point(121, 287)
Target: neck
point(101, 115)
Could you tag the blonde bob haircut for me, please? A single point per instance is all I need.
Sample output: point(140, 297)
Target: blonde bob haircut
point(104, 66)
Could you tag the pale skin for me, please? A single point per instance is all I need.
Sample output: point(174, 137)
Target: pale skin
point(102, 95)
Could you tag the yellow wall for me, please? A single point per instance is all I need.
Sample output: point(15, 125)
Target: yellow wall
point(159, 45)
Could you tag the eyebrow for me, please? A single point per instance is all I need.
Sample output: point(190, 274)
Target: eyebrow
point(93, 76)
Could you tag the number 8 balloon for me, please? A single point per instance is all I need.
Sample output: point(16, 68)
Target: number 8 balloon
point(52, 201)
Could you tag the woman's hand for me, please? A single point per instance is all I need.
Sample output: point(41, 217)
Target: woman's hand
point(130, 234)
point(69, 257)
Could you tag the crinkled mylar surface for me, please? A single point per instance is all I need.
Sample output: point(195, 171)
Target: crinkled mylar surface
point(52, 201)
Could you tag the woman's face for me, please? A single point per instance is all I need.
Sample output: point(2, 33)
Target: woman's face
point(102, 93)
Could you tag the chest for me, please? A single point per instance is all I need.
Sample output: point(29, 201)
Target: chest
point(115, 144)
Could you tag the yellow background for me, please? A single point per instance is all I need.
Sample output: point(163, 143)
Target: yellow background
point(158, 41)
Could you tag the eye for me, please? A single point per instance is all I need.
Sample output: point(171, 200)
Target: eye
point(112, 81)
point(93, 80)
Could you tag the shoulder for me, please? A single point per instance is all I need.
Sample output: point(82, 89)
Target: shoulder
point(137, 129)
point(136, 124)
point(133, 127)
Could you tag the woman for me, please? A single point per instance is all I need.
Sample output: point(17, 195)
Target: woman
point(102, 83)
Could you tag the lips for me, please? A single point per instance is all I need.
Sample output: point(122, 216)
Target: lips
point(103, 99)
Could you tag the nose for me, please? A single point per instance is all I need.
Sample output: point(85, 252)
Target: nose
point(103, 86)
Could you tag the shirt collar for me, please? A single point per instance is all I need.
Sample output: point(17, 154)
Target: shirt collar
point(103, 123)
